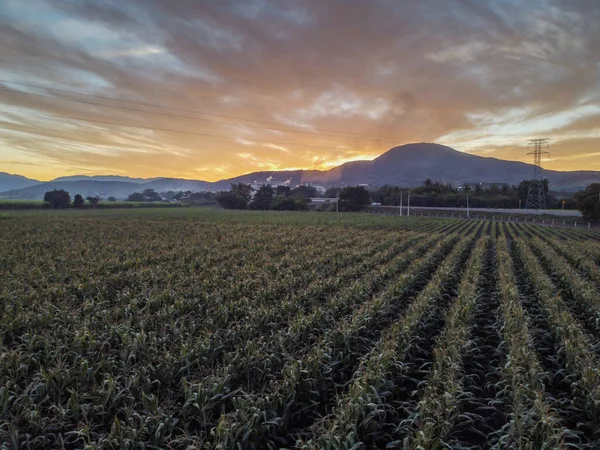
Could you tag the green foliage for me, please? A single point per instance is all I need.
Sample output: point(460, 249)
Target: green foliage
point(523, 188)
point(304, 192)
point(283, 191)
point(238, 197)
point(436, 194)
point(263, 198)
point(354, 198)
point(332, 192)
point(589, 202)
point(78, 201)
point(94, 200)
point(57, 199)
point(282, 203)
point(198, 198)
point(147, 195)
point(22, 204)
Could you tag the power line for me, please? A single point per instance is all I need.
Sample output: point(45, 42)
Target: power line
point(389, 138)
point(125, 108)
point(106, 122)
point(70, 54)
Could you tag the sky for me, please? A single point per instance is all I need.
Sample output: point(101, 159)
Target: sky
point(211, 89)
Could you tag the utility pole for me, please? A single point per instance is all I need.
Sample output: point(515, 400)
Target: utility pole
point(536, 197)
point(401, 203)
point(468, 216)
point(408, 207)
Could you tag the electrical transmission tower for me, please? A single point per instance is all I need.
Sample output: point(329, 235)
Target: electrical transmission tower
point(536, 197)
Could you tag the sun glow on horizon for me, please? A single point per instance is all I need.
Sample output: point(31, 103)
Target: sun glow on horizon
point(142, 89)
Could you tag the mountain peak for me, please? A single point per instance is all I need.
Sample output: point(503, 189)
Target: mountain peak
point(420, 149)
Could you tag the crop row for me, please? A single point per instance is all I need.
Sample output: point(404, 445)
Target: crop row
point(140, 331)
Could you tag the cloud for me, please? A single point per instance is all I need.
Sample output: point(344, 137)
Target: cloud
point(482, 75)
point(143, 50)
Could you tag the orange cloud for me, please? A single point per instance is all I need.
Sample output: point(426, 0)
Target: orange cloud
point(252, 85)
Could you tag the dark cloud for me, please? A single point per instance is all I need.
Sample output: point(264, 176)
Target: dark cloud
point(426, 70)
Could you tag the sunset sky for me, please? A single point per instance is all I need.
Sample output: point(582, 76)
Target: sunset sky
point(209, 89)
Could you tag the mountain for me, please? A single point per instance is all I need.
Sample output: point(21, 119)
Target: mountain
point(92, 186)
point(117, 189)
point(294, 177)
point(104, 178)
point(407, 165)
point(9, 181)
point(176, 184)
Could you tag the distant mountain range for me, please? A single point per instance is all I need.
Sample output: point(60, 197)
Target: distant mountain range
point(108, 186)
point(407, 165)
point(9, 182)
point(105, 178)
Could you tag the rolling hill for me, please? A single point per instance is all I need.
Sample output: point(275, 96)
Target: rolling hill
point(104, 178)
point(407, 165)
point(92, 187)
point(9, 181)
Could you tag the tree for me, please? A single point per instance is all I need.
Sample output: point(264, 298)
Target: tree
point(199, 198)
point(94, 200)
point(78, 201)
point(136, 197)
point(237, 197)
point(147, 195)
point(332, 192)
point(112, 199)
point(57, 199)
point(387, 195)
point(242, 190)
point(354, 198)
point(283, 190)
point(523, 188)
point(589, 202)
point(181, 195)
point(263, 198)
point(227, 200)
point(304, 192)
point(150, 195)
point(283, 203)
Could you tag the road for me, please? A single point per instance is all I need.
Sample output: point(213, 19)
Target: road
point(550, 212)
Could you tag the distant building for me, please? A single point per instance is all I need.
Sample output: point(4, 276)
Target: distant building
point(320, 189)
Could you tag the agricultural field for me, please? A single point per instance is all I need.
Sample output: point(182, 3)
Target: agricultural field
point(7, 204)
point(200, 329)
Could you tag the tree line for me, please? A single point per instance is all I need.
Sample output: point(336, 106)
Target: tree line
point(284, 198)
point(59, 199)
point(436, 194)
point(266, 197)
